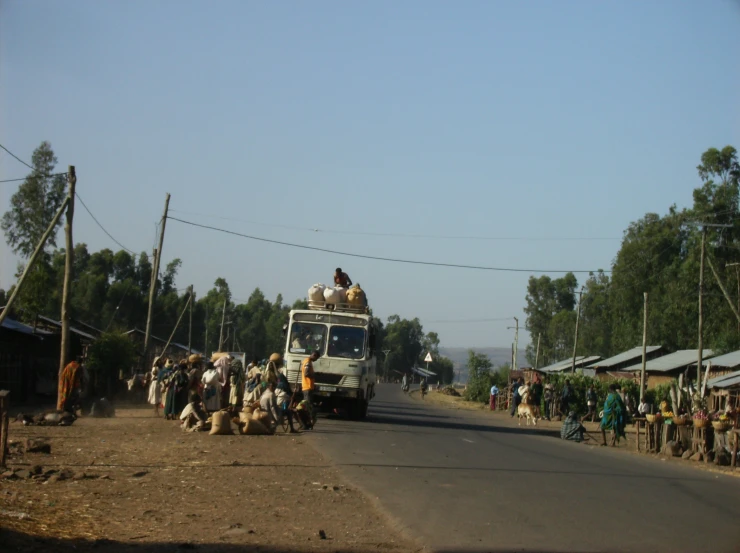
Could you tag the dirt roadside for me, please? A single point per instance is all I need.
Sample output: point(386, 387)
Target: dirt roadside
point(139, 483)
point(627, 446)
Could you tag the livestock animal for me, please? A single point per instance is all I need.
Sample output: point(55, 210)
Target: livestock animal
point(137, 387)
point(48, 418)
point(527, 412)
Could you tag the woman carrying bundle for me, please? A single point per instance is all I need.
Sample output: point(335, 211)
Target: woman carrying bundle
point(613, 418)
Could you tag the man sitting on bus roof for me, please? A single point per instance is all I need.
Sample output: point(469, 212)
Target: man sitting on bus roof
point(342, 279)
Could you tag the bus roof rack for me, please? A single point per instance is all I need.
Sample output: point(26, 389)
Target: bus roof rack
point(343, 307)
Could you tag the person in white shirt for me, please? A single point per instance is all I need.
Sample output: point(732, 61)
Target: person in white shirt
point(269, 404)
point(643, 408)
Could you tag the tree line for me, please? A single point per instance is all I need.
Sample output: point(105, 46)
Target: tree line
point(111, 291)
point(660, 255)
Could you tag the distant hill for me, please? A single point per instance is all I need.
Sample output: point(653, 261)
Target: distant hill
point(498, 356)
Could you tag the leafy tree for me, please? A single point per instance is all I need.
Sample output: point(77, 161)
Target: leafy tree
point(479, 377)
point(34, 204)
point(108, 355)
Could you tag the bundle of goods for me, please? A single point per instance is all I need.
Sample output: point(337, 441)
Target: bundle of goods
point(220, 424)
point(335, 295)
point(316, 293)
point(195, 358)
point(261, 416)
point(275, 357)
point(254, 428)
point(356, 296)
point(218, 355)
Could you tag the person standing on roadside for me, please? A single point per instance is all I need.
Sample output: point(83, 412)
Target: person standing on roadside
point(548, 394)
point(536, 391)
point(494, 397)
point(307, 380)
point(591, 403)
point(565, 397)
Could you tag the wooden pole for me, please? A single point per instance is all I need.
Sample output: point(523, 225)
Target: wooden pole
point(537, 355)
point(190, 326)
point(700, 348)
point(644, 346)
point(66, 290)
point(4, 408)
point(575, 339)
point(164, 350)
point(32, 260)
point(516, 343)
point(221, 336)
point(155, 274)
point(724, 290)
point(205, 346)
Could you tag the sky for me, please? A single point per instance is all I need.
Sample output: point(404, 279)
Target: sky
point(521, 135)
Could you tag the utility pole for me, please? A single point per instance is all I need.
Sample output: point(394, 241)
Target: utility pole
point(32, 260)
point(722, 287)
point(205, 345)
point(190, 326)
point(68, 266)
point(644, 345)
point(537, 355)
point(155, 274)
point(737, 274)
point(221, 336)
point(575, 340)
point(701, 309)
point(516, 342)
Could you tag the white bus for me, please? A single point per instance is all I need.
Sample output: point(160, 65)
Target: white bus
point(345, 337)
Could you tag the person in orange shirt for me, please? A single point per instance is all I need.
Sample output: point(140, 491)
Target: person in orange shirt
point(307, 380)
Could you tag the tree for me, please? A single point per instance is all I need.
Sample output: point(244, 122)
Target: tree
point(108, 355)
point(34, 204)
point(479, 377)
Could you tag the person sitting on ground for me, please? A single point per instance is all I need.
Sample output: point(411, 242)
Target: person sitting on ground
point(613, 418)
point(572, 429)
point(342, 279)
point(269, 404)
point(193, 417)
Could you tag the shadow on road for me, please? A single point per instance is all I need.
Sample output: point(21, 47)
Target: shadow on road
point(18, 541)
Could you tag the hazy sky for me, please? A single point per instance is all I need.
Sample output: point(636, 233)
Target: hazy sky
point(527, 122)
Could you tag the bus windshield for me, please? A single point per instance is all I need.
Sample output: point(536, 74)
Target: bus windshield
point(307, 338)
point(346, 342)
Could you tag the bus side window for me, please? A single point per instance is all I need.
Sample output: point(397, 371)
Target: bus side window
point(371, 342)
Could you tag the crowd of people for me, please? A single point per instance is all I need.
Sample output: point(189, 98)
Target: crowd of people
point(193, 389)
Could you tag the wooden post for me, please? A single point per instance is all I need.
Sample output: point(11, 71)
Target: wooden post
point(644, 345)
point(32, 260)
point(190, 327)
point(66, 290)
point(205, 345)
point(4, 408)
point(221, 336)
point(516, 345)
point(537, 355)
point(575, 339)
point(724, 290)
point(700, 348)
point(155, 274)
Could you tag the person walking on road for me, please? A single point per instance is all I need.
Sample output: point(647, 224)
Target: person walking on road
point(405, 383)
point(494, 397)
point(307, 380)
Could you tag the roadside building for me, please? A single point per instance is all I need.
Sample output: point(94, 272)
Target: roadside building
point(667, 368)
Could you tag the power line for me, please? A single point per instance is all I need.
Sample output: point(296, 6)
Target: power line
point(499, 319)
point(24, 178)
point(377, 258)
point(19, 159)
point(102, 227)
point(396, 234)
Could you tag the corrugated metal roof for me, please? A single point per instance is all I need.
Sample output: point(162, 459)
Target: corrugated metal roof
point(10, 324)
point(714, 382)
point(725, 381)
point(728, 360)
point(566, 364)
point(628, 355)
point(671, 362)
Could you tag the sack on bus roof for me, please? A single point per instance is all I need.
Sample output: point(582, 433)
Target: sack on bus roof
point(316, 293)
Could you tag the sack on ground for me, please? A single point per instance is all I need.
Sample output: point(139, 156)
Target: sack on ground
point(221, 424)
point(254, 428)
point(316, 293)
point(261, 416)
point(245, 417)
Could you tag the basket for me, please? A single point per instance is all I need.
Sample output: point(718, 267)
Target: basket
point(652, 418)
point(721, 426)
point(700, 423)
point(680, 421)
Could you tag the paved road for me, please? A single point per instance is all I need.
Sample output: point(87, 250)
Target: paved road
point(458, 480)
